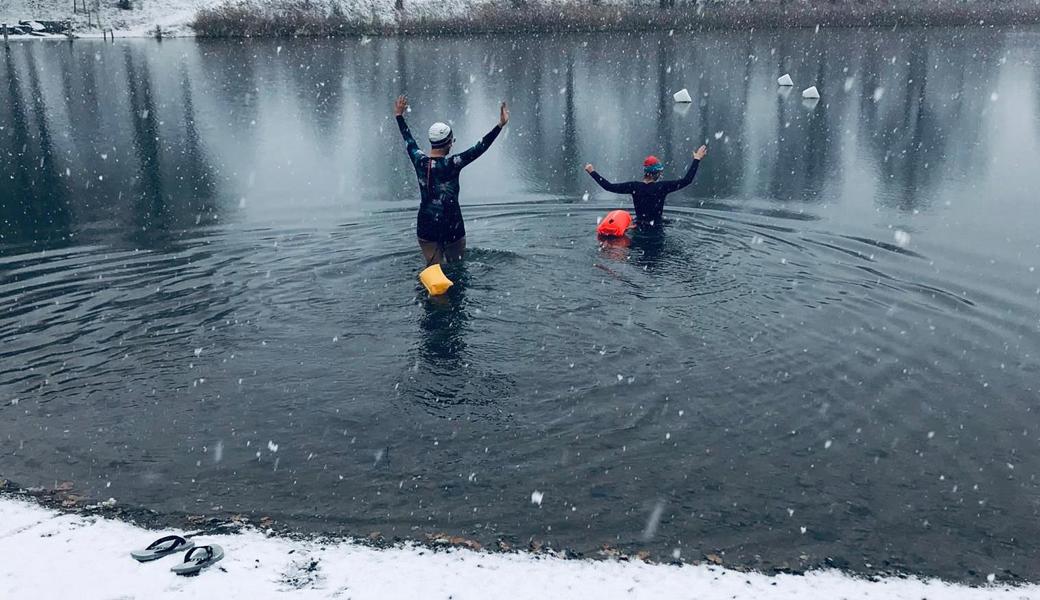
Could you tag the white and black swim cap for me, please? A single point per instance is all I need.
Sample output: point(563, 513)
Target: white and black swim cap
point(440, 135)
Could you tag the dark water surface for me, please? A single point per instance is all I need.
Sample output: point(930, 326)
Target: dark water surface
point(208, 301)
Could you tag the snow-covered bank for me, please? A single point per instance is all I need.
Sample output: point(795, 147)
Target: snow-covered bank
point(172, 16)
point(48, 554)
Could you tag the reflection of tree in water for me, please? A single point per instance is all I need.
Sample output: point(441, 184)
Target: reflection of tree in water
point(318, 87)
point(566, 166)
point(34, 206)
point(401, 60)
point(158, 181)
point(527, 83)
point(909, 129)
point(788, 181)
point(804, 150)
point(236, 89)
point(174, 186)
point(94, 132)
point(665, 105)
point(572, 103)
point(557, 85)
point(195, 183)
point(545, 112)
point(1036, 96)
point(897, 135)
point(727, 87)
point(818, 143)
point(871, 69)
point(82, 97)
point(921, 136)
point(147, 185)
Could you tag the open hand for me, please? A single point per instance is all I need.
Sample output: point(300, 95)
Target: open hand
point(589, 168)
point(700, 153)
point(503, 115)
point(400, 105)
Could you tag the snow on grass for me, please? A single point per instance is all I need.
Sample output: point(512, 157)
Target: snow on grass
point(172, 15)
point(47, 554)
point(175, 16)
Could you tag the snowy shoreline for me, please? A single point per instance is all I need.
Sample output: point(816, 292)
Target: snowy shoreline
point(92, 553)
point(327, 18)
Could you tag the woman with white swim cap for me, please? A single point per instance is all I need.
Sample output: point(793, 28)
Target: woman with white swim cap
point(439, 226)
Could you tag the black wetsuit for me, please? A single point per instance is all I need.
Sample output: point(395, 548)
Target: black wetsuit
point(440, 216)
point(648, 197)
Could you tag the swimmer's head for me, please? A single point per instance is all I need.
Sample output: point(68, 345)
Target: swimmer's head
point(652, 167)
point(440, 136)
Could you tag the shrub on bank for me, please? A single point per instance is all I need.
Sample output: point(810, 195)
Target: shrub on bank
point(282, 18)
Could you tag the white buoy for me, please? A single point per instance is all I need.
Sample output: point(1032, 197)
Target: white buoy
point(682, 96)
point(785, 79)
point(811, 93)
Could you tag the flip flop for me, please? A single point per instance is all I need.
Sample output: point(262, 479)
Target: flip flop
point(198, 559)
point(162, 547)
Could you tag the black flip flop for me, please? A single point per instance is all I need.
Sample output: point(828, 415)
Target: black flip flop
point(198, 559)
point(162, 547)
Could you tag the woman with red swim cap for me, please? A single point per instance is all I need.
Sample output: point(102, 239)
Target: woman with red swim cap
point(648, 195)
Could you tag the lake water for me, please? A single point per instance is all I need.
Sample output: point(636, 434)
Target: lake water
point(208, 296)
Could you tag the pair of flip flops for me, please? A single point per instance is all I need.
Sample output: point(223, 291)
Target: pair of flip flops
point(197, 558)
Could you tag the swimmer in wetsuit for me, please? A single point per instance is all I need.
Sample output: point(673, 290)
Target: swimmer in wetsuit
point(648, 195)
point(439, 226)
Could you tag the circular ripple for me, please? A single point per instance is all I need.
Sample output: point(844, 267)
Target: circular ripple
point(689, 364)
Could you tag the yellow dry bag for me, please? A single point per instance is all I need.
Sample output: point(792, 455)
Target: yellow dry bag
point(434, 280)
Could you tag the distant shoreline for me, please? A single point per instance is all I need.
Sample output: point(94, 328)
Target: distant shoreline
point(283, 18)
point(331, 18)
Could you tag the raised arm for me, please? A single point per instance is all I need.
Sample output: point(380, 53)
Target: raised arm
point(614, 188)
point(464, 158)
point(673, 185)
point(400, 105)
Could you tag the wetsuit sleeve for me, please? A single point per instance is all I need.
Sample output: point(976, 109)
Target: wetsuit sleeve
point(464, 158)
point(615, 188)
point(410, 145)
point(673, 185)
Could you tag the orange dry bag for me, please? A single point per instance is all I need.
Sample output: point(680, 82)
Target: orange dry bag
point(615, 224)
